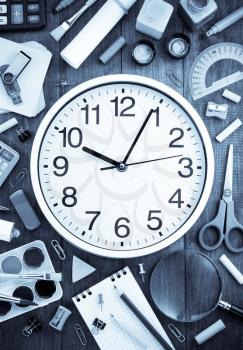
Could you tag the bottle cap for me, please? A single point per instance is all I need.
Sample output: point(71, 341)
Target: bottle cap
point(144, 52)
point(178, 45)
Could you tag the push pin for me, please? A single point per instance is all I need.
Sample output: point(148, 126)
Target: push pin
point(98, 325)
point(217, 110)
point(100, 301)
point(23, 134)
point(142, 271)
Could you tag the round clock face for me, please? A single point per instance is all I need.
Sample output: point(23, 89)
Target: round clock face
point(122, 166)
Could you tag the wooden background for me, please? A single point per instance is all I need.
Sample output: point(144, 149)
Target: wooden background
point(232, 338)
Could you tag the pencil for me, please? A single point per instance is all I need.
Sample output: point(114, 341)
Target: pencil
point(143, 319)
point(128, 332)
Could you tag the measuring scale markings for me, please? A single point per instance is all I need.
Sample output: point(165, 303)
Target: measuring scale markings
point(200, 67)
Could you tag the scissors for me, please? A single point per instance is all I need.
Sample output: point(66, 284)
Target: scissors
point(224, 222)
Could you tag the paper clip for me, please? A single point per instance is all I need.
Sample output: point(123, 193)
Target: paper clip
point(19, 177)
point(177, 333)
point(58, 249)
point(80, 334)
point(173, 78)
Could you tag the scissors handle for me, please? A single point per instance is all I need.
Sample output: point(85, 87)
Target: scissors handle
point(232, 225)
point(218, 225)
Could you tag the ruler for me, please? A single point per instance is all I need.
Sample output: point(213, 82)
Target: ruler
point(200, 67)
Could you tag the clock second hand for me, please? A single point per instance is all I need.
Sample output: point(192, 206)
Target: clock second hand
point(145, 161)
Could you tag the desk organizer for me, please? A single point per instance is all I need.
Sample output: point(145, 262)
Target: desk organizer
point(29, 258)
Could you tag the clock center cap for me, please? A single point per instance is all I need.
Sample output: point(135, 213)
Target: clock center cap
point(122, 167)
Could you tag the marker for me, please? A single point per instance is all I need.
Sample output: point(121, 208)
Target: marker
point(226, 22)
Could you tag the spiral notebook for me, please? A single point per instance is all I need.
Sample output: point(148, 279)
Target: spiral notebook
point(113, 336)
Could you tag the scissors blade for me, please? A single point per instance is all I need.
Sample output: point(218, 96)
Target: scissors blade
point(228, 182)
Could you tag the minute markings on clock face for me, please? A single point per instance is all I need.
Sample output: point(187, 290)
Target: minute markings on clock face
point(158, 185)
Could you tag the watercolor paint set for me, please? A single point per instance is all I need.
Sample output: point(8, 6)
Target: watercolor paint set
point(31, 258)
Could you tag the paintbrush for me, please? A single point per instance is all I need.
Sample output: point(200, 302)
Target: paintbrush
point(58, 32)
point(47, 276)
point(23, 302)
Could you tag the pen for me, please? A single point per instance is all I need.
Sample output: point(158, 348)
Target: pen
point(226, 22)
point(62, 4)
point(128, 332)
point(143, 319)
point(20, 301)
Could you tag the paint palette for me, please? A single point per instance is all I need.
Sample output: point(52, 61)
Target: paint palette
point(29, 258)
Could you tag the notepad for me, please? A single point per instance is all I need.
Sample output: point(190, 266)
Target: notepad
point(113, 337)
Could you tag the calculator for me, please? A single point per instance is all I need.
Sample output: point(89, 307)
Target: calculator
point(8, 159)
point(22, 14)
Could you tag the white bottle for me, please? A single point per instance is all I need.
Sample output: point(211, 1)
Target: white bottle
point(153, 18)
point(95, 31)
point(197, 12)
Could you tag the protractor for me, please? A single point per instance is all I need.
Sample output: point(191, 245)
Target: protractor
point(200, 67)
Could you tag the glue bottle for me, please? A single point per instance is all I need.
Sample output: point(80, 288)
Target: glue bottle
point(197, 12)
point(8, 231)
point(76, 52)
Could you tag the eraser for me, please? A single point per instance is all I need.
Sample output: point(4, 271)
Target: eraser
point(229, 130)
point(210, 332)
point(231, 268)
point(24, 209)
point(231, 96)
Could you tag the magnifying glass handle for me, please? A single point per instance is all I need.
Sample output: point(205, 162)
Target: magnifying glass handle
point(232, 308)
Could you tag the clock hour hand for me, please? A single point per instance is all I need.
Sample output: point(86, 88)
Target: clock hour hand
point(101, 156)
point(137, 136)
point(144, 161)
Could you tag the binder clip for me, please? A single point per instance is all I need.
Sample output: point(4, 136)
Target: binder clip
point(23, 134)
point(10, 73)
point(32, 325)
point(97, 326)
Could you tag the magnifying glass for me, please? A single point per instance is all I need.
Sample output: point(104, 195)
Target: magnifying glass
point(187, 286)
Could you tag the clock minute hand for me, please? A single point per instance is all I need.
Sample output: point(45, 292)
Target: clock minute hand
point(137, 136)
point(101, 156)
point(145, 161)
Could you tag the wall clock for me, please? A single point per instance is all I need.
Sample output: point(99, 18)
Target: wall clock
point(122, 166)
